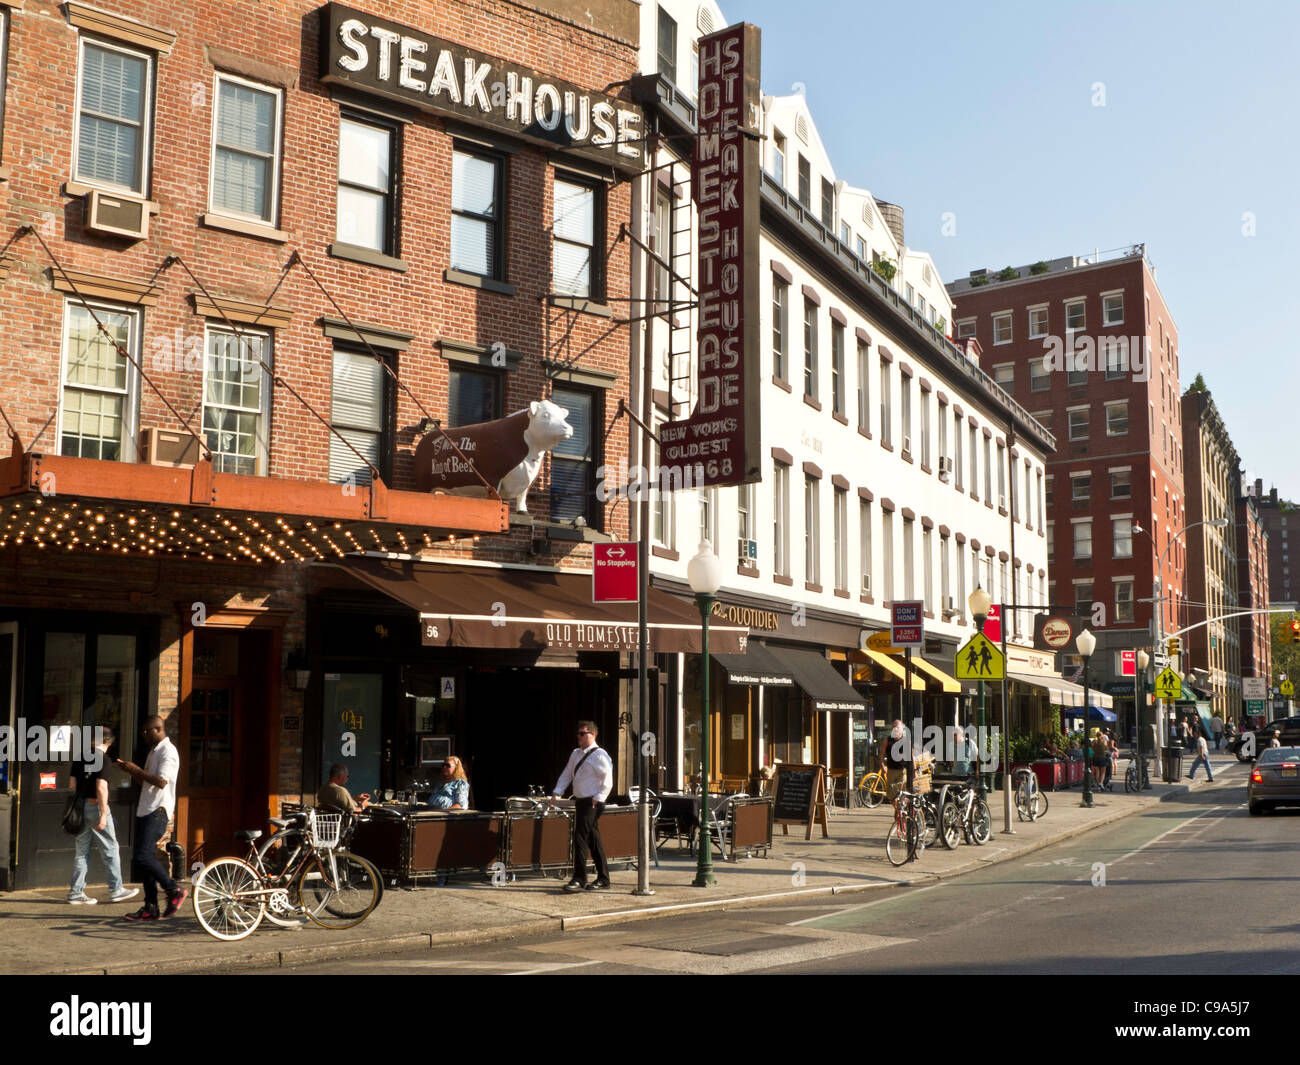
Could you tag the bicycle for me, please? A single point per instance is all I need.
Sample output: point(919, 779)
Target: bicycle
point(965, 815)
point(905, 832)
point(1131, 775)
point(1031, 803)
point(872, 789)
point(301, 871)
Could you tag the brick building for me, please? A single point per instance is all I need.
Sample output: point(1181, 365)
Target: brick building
point(1279, 518)
point(261, 267)
point(1090, 348)
point(1252, 584)
point(1212, 482)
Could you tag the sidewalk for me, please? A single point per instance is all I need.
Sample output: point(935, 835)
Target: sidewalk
point(41, 934)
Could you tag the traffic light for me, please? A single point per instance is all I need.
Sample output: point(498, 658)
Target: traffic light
point(1174, 646)
point(1295, 630)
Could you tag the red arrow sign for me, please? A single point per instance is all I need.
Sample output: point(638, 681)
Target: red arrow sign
point(614, 573)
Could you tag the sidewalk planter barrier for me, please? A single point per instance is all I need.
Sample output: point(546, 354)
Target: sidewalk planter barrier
point(1050, 773)
point(1173, 762)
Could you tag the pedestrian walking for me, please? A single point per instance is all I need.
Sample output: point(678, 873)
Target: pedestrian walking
point(1216, 725)
point(590, 773)
point(153, 813)
point(1202, 757)
point(90, 781)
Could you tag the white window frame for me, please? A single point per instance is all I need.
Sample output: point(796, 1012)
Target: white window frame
point(1118, 523)
point(1035, 334)
point(841, 519)
point(909, 559)
point(146, 123)
point(129, 450)
point(965, 328)
point(864, 544)
point(1075, 478)
point(263, 435)
point(1040, 378)
point(864, 385)
point(927, 570)
point(812, 561)
point(1070, 304)
point(924, 428)
point(1005, 370)
point(886, 409)
point(1106, 319)
point(273, 178)
point(1075, 524)
point(1087, 423)
point(957, 476)
point(1006, 318)
point(1131, 614)
point(1117, 405)
point(781, 519)
point(887, 549)
point(778, 157)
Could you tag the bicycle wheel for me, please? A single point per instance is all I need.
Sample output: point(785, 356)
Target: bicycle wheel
point(981, 822)
point(872, 790)
point(226, 899)
point(900, 841)
point(950, 825)
point(1023, 801)
point(275, 853)
point(1040, 804)
point(341, 896)
point(930, 823)
point(1131, 779)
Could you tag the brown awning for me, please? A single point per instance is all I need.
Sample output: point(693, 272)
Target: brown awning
point(533, 610)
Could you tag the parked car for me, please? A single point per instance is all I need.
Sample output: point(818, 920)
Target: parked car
point(1275, 780)
point(1289, 727)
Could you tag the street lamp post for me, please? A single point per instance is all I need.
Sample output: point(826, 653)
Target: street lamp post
point(1087, 643)
point(704, 574)
point(979, 603)
point(1141, 660)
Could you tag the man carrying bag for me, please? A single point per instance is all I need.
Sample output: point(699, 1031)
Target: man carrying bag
point(591, 774)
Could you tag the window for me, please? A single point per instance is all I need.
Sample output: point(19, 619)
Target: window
point(905, 410)
point(1002, 328)
point(1114, 356)
point(886, 416)
point(1112, 309)
point(575, 259)
point(237, 401)
point(811, 531)
point(664, 528)
point(909, 560)
point(988, 471)
point(965, 328)
point(1122, 532)
point(97, 416)
point(473, 396)
point(805, 183)
point(1080, 487)
point(367, 189)
point(1078, 423)
point(1123, 600)
point(837, 368)
point(809, 348)
point(359, 414)
point(708, 498)
point(974, 464)
point(1117, 418)
point(1040, 499)
point(667, 48)
point(1005, 375)
point(1037, 322)
point(778, 157)
point(864, 386)
point(911, 294)
point(1039, 376)
point(246, 149)
point(864, 543)
point(960, 603)
point(1002, 475)
point(1075, 319)
point(887, 548)
point(477, 213)
point(925, 428)
point(663, 245)
point(574, 461)
point(956, 450)
point(780, 325)
point(746, 530)
point(781, 519)
point(927, 565)
point(1082, 539)
point(828, 205)
point(113, 114)
point(1047, 489)
point(1120, 485)
point(846, 235)
point(943, 431)
point(841, 539)
point(862, 250)
point(1051, 542)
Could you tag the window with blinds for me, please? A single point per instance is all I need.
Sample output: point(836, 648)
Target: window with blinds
point(573, 461)
point(366, 185)
point(245, 149)
point(477, 213)
point(113, 116)
point(473, 396)
point(356, 415)
point(573, 239)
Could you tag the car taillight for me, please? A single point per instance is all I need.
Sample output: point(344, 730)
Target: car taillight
point(1256, 777)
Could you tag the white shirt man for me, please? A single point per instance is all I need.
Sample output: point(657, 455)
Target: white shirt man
point(152, 813)
point(591, 774)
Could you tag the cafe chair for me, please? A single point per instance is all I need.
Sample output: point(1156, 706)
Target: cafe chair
point(656, 807)
point(721, 820)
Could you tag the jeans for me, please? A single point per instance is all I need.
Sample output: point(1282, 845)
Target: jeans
point(1198, 761)
point(105, 842)
point(148, 831)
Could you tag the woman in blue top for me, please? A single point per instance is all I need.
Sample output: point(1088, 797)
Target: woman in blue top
point(452, 792)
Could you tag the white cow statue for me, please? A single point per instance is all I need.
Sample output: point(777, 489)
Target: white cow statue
point(547, 427)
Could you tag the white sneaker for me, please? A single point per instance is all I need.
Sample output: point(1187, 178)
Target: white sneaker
point(82, 900)
point(124, 894)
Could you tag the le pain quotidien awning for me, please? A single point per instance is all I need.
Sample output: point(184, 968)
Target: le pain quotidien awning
point(532, 610)
point(135, 508)
point(756, 666)
point(818, 679)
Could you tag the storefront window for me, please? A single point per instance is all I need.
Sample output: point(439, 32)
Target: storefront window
point(351, 728)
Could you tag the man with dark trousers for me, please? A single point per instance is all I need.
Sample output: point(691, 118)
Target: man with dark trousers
point(591, 774)
point(153, 812)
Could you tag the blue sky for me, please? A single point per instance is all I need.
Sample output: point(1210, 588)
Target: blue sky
point(986, 110)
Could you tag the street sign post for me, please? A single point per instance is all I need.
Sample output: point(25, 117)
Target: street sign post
point(979, 659)
point(908, 623)
point(993, 624)
point(1254, 689)
point(1286, 688)
point(614, 573)
point(1128, 663)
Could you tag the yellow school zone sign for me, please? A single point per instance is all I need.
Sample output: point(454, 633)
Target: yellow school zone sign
point(979, 659)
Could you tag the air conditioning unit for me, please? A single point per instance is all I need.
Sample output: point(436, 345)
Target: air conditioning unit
point(119, 216)
point(907, 445)
point(866, 584)
point(945, 466)
point(747, 550)
point(949, 606)
point(168, 447)
point(1002, 502)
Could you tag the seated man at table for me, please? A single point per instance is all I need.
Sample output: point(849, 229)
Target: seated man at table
point(452, 792)
point(334, 793)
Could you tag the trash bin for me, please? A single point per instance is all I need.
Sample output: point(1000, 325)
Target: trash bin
point(1173, 763)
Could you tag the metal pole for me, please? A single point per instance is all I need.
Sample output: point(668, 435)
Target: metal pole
point(983, 777)
point(1087, 741)
point(704, 866)
point(1006, 730)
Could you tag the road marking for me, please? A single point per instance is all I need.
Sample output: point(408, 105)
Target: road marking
point(862, 906)
point(553, 967)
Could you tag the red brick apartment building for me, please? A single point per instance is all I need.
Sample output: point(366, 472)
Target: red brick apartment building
point(1117, 423)
point(1253, 586)
point(253, 252)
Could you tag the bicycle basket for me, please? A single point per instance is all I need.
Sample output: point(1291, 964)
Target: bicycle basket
point(325, 829)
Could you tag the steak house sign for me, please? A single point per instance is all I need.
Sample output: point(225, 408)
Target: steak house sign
point(719, 443)
point(377, 56)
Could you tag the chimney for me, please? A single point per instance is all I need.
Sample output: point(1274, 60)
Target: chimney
point(1259, 487)
point(893, 216)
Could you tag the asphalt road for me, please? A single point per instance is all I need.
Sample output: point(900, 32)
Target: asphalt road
point(1182, 889)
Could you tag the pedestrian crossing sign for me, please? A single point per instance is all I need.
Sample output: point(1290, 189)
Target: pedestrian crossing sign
point(1169, 685)
point(1286, 688)
point(979, 659)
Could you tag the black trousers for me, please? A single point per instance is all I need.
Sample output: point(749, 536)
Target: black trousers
point(586, 839)
point(144, 856)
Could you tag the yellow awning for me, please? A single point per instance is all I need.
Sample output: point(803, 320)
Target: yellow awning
point(951, 686)
point(895, 668)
